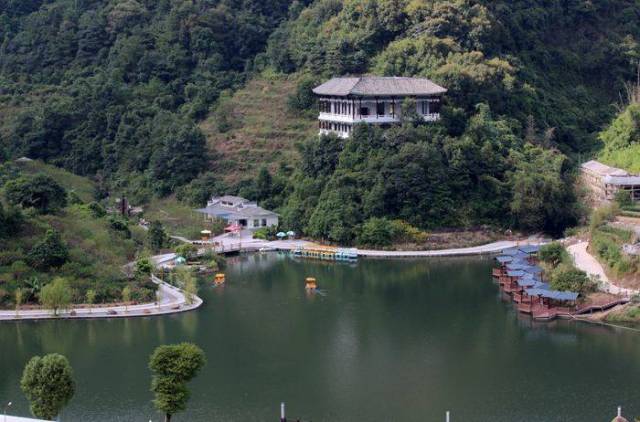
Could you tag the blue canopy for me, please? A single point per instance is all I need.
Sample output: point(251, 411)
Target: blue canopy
point(515, 273)
point(511, 252)
point(553, 294)
point(527, 282)
point(503, 259)
point(529, 249)
point(532, 269)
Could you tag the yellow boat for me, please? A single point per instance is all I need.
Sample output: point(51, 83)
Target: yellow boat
point(310, 283)
point(219, 279)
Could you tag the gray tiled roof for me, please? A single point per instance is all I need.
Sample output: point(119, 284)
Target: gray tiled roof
point(378, 85)
point(603, 169)
point(236, 212)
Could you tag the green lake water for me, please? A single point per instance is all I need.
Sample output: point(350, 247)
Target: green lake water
point(387, 340)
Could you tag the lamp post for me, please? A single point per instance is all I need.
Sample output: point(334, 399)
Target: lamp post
point(7, 406)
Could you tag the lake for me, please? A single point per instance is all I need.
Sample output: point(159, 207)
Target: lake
point(384, 340)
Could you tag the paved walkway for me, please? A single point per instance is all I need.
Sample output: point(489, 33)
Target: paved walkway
point(245, 242)
point(172, 300)
point(489, 248)
point(590, 265)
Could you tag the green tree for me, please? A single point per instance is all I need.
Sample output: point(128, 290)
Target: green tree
point(48, 384)
point(543, 196)
point(303, 99)
point(50, 252)
point(187, 250)
point(126, 296)
point(40, 192)
point(569, 278)
point(173, 366)
point(143, 267)
point(553, 253)
point(156, 236)
point(90, 298)
point(19, 298)
point(56, 295)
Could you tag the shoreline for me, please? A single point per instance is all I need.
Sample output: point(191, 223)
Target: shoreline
point(173, 301)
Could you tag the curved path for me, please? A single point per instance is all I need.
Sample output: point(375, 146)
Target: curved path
point(172, 300)
point(590, 265)
point(245, 242)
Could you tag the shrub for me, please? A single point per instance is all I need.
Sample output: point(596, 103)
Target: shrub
point(567, 277)
point(383, 232)
point(187, 250)
point(376, 232)
point(303, 99)
point(553, 253)
point(97, 210)
point(603, 214)
point(50, 252)
point(623, 198)
point(120, 226)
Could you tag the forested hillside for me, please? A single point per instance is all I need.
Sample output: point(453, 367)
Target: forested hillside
point(118, 90)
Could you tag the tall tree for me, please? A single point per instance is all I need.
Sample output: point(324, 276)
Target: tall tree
point(48, 384)
point(56, 295)
point(173, 366)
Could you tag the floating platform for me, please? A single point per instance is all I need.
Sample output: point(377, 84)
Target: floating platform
point(329, 253)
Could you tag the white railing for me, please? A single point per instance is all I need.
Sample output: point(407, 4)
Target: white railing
point(372, 118)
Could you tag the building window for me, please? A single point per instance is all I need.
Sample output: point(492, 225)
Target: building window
point(392, 108)
point(435, 106)
point(264, 222)
point(256, 223)
point(380, 109)
point(364, 111)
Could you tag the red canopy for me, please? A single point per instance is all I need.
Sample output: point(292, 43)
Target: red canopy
point(233, 228)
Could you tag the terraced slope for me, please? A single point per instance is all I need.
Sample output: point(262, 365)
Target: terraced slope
point(263, 130)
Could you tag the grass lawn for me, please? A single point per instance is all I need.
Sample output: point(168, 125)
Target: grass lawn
point(177, 218)
point(82, 186)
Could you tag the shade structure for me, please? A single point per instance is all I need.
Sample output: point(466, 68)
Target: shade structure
point(281, 234)
point(234, 228)
point(205, 232)
point(291, 233)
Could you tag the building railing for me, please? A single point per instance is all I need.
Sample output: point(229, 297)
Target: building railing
point(372, 118)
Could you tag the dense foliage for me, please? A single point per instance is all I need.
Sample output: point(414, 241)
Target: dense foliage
point(55, 252)
point(428, 178)
point(621, 140)
point(173, 366)
point(115, 89)
point(48, 383)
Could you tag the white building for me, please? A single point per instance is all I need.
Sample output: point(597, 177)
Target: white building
point(604, 182)
point(236, 210)
point(344, 102)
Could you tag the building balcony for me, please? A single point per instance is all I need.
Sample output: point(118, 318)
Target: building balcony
point(371, 119)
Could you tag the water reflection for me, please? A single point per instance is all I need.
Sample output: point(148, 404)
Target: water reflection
point(390, 340)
